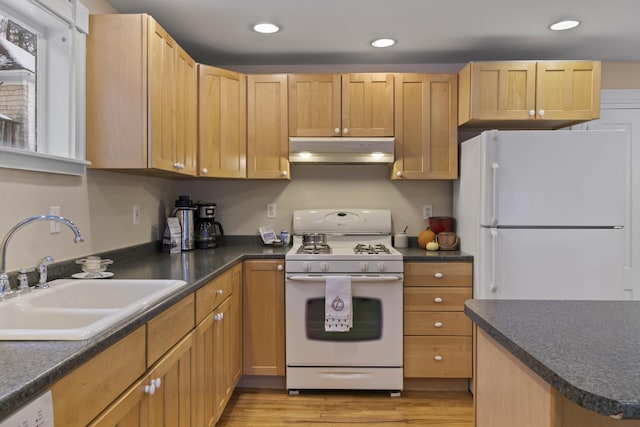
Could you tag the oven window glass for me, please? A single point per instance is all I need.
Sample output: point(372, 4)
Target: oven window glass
point(367, 321)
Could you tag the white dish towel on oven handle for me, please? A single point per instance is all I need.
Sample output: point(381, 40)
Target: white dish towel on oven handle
point(338, 307)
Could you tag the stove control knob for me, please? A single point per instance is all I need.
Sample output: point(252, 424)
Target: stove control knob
point(324, 266)
point(382, 266)
point(306, 266)
point(364, 266)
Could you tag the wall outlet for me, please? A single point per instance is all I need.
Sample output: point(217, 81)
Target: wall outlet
point(427, 211)
point(271, 210)
point(54, 226)
point(136, 214)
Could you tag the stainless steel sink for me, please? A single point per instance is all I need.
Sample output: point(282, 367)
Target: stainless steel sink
point(78, 309)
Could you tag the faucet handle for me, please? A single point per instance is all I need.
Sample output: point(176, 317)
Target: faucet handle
point(42, 269)
point(23, 281)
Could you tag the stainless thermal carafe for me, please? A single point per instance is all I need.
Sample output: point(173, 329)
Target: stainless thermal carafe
point(184, 211)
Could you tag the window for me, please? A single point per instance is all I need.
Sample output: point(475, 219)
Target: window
point(42, 79)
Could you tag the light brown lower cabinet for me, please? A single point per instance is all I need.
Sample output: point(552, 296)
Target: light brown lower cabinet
point(168, 372)
point(437, 334)
point(507, 393)
point(164, 397)
point(218, 351)
point(263, 331)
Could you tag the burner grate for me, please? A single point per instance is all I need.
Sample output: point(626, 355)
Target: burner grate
point(314, 248)
point(362, 248)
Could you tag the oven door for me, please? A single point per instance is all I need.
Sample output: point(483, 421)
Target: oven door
point(375, 338)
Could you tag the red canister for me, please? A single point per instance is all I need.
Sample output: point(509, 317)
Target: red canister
point(438, 224)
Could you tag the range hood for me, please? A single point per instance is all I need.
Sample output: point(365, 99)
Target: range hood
point(345, 150)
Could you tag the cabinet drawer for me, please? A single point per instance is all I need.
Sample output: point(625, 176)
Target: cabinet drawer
point(86, 391)
point(437, 357)
point(436, 323)
point(212, 294)
point(167, 328)
point(435, 299)
point(438, 274)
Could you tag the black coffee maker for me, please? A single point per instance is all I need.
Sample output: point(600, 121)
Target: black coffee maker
point(209, 232)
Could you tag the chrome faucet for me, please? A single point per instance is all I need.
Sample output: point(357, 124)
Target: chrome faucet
point(4, 279)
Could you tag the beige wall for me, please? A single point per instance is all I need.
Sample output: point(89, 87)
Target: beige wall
point(241, 204)
point(621, 75)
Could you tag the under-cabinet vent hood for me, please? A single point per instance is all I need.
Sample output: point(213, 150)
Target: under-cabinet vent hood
point(349, 150)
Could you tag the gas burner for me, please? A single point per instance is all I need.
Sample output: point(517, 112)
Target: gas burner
point(362, 248)
point(317, 248)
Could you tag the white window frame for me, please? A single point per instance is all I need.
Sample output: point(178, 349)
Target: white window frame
point(63, 26)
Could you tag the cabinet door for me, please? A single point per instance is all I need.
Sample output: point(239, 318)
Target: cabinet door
point(314, 105)
point(502, 90)
point(168, 404)
point(426, 130)
point(186, 118)
point(568, 90)
point(213, 386)
point(367, 104)
point(263, 318)
point(222, 112)
point(162, 97)
point(267, 138)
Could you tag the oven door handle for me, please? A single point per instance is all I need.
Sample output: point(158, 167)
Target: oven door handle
point(384, 278)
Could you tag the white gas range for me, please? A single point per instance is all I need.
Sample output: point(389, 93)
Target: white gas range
point(343, 302)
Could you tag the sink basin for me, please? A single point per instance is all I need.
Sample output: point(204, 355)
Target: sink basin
point(78, 309)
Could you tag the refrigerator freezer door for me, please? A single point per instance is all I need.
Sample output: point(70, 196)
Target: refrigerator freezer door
point(550, 264)
point(553, 178)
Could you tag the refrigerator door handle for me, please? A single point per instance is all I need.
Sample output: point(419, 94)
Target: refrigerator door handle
point(493, 287)
point(494, 193)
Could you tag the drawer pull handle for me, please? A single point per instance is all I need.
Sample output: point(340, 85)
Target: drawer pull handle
point(438, 275)
point(438, 324)
point(438, 358)
point(437, 300)
point(219, 292)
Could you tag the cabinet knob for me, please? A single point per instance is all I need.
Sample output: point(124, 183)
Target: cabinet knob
point(280, 267)
point(345, 130)
point(437, 358)
point(438, 275)
point(336, 130)
point(205, 171)
point(219, 292)
point(437, 300)
point(532, 113)
point(541, 113)
point(176, 165)
point(399, 174)
point(150, 389)
point(438, 324)
point(218, 316)
point(284, 173)
point(157, 382)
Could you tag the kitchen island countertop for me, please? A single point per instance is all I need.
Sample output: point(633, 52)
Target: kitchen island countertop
point(587, 350)
point(28, 368)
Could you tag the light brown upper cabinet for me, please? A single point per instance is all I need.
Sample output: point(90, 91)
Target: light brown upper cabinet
point(341, 105)
point(426, 126)
point(528, 94)
point(141, 97)
point(267, 140)
point(222, 123)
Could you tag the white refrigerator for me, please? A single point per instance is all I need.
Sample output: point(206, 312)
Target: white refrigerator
point(543, 213)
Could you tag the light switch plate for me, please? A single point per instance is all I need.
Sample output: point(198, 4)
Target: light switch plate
point(427, 211)
point(271, 210)
point(54, 226)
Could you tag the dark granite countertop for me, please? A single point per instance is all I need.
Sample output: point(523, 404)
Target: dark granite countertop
point(27, 368)
point(588, 350)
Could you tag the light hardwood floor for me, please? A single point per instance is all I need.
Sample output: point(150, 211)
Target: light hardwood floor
point(273, 408)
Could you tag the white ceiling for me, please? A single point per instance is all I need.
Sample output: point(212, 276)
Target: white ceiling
point(428, 32)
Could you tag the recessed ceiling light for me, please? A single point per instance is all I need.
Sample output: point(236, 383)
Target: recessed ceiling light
point(564, 25)
point(383, 43)
point(266, 28)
